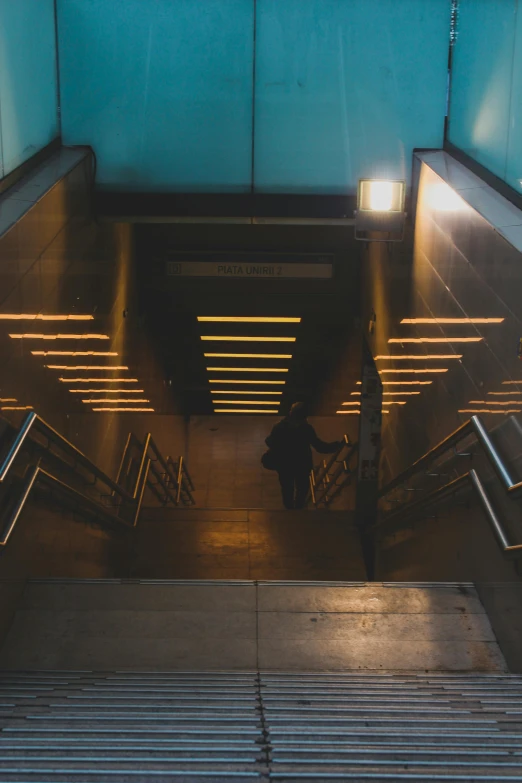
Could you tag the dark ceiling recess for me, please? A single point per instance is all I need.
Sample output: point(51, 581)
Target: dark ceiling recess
point(321, 367)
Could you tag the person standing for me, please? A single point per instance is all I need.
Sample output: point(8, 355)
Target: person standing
point(291, 441)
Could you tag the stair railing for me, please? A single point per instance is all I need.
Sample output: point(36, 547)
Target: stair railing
point(119, 506)
point(332, 475)
point(475, 427)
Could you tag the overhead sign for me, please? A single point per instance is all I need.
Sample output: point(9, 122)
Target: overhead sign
point(248, 270)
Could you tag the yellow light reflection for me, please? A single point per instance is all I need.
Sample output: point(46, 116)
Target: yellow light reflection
point(254, 319)
point(232, 338)
point(243, 410)
point(106, 391)
point(40, 317)
point(98, 380)
point(60, 336)
point(418, 372)
point(84, 367)
point(115, 399)
point(74, 353)
point(419, 340)
point(420, 357)
point(256, 383)
point(125, 410)
point(444, 199)
point(247, 369)
point(232, 391)
point(452, 320)
point(243, 402)
point(248, 355)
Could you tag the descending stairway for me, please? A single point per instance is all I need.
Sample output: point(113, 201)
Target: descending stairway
point(97, 726)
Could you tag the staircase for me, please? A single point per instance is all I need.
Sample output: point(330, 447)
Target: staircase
point(96, 726)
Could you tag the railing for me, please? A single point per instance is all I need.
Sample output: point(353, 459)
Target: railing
point(332, 476)
point(513, 489)
point(120, 501)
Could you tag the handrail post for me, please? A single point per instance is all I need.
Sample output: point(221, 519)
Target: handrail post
point(180, 480)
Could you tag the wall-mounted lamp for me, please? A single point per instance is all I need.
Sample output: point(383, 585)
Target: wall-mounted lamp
point(380, 208)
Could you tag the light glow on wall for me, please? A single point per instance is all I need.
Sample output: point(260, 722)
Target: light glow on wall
point(250, 319)
point(444, 199)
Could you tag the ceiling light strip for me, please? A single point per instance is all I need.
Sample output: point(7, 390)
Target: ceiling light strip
point(489, 410)
point(452, 320)
point(125, 410)
point(16, 408)
point(511, 383)
point(247, 369)
point(256, 383)
point(232, 338)
point(504, 394)
point(243, 402)
point(87, 336)
point(243, 410)
point(235, 391)
point(74, 353)
point(249, 319)
point(420, 340)
point(98, 380)
point(248, 355)
point(417, 372)
point(115, 399)
point(494, 402)
point(419, 357)
point(84, 367)
point(402, 383)
point(40, 317)
point(106, 391)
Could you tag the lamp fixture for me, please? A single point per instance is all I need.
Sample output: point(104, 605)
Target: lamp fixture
point(98, 380)
point(452, 320)
point(249, 319)
point(60, 336)
point(256, 383)
point(248, 355)
point(233, 338)
point(380, 207)
point(247, 369)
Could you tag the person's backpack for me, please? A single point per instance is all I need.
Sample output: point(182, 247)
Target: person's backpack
point(269, 460)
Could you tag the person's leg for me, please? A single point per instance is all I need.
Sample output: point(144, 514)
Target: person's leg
point(286, 479)
point(302, 487)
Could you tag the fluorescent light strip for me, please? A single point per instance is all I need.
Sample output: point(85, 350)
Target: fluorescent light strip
point(40, 317)
point(117, 399)
point(106, 391)
point(125, 410)
point(351, 403)
point(242, 410)
point(16, 408)
point(248, 355)
point(244, 402)
point(488, 410)
point(8, 399)
point(60, 336)
point(98, 380)
point(225, 339)
point(356, 413)
point(247, 369)
point(494, 402)
point(84, 367)
point(256, 383)
point(419, 340)
point(248, 319)
point(396, 394)
point(219, 391)
point(417, 372)
point(511, 383)
point(403, 383)
point(504, 394)
point(74, 353)
point(452, 320)
point(421, 357)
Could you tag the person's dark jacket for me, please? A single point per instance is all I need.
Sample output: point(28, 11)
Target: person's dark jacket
point(291, 441)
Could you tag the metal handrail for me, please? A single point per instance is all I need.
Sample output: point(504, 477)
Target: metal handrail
point(473, 426)
point(324, 486)
point(33, 422)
